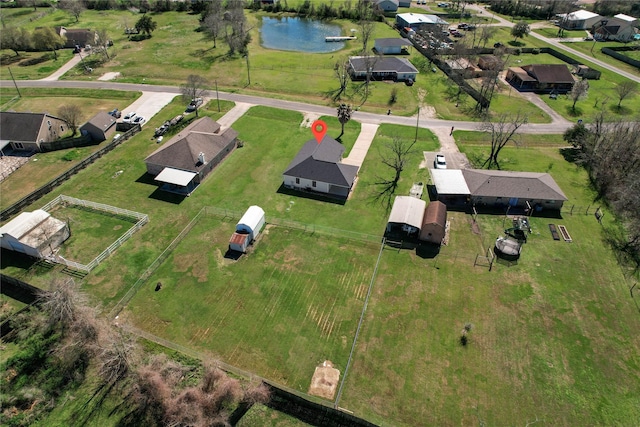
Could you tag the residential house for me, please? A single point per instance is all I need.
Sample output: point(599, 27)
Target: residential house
point(381, 68)
point(387, 5)
point(578, 20)
point(36, 234)
point(77, 36)
point(420, 22)
point(318, 168)
point(185, 160)
point(621, 27)
point(498, 189)
point(26, 131)
point(391, 46)
point(544, 78)
point(100, 127)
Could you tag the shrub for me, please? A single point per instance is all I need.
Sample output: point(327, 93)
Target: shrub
point(535, 51)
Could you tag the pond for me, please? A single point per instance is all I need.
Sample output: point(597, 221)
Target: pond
point(299, 34)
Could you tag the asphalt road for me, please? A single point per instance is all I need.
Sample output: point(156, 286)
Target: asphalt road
point(536, 128)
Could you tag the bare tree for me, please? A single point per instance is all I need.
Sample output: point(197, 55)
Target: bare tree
point(579, 91)
point(70, 114)
point(103, 41)
point(626, 89)
point(213, 23)
point(502, 131)
point(486, 33)
point(341, 72)
point(344, 115)
point(194, 87)
point(396, 156)
point(238, 37)
point(365, 24)
point(72, 7)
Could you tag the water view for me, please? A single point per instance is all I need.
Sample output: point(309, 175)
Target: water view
point(299, 34)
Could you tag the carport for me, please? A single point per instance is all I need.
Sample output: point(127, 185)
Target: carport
point(177, 181)
point(450, 186)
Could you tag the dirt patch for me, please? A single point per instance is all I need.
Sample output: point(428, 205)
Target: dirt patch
point(324, 380)
point(308, 119)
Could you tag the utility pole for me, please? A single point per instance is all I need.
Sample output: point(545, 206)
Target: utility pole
point(248, 72)
point(14, 82)
point(217, 96)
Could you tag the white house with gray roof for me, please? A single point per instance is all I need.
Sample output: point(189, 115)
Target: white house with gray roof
point(318, 168)
point(381, 68)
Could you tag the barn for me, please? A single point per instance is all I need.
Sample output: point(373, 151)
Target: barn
point(36, 234)
point(247, 229)
point(434, 223)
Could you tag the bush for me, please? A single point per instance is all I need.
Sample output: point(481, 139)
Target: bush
point(535, 51)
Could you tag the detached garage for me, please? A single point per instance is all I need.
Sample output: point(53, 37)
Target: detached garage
point(247, 229)
point(434, 223)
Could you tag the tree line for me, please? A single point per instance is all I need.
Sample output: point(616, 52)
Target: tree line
point(64, 344)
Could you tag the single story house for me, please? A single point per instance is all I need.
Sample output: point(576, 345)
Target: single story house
point(381, 68)
point(387, 5)
point(26, 131)
point(420, 22)
point(100, 127)
point(621, 27)
point(36, 234)
point(405, 219)
point(391, 46)
point(77, 36)
point(541, 78)
point(578, 20)
point(318, 168)
point(498, 189)
point(434, 223)
point(185, 160)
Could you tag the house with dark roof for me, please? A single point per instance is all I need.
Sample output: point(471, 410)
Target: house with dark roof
point(391, 46)
point(621, 27)
point(381, 68)
point(497, 189)
point(387, 5)
point(77, 36)
point(318, 168)
point(508, 188)
point(182, 163)
point(100, 127)
point(544, 78)
point(26, 131)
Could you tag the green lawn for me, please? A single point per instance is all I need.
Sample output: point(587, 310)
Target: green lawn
point(594, 49)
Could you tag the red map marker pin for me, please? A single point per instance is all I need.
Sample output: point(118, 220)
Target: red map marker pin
point(319, 129)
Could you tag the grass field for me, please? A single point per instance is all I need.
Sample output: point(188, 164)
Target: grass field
point(279, 311)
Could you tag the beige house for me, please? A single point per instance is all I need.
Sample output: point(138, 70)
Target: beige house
point(26, 131)
point(100, 127)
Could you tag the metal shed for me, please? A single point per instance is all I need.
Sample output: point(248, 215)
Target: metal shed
point(247, 229)
point(36, 234)
point(434, 223)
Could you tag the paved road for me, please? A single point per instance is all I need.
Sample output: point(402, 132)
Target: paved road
point(537, 128)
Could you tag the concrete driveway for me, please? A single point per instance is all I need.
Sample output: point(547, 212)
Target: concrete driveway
point(455, 160)
point(150, 104)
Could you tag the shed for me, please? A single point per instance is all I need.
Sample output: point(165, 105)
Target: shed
point(36, 234)
point(251, 222)
point(247, 229)
point(406, 216)
point(100, 127)
point(434, 223)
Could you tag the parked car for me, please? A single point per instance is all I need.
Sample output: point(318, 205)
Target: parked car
point(139, 120)
point(128, 118)
point(162, 129)
point(195, 103)
point(440, 162)
point(588, 39)
point(463, 26)
point(442, 4)
point(115, 113)
point(177, 119)
point(497, 44)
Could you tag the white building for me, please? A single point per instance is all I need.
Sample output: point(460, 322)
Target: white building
point(36, 234)
point(578, 20)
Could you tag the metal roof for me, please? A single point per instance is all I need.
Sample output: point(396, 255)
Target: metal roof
point(449, 181)
point(419, 18)
point(175, 176)
point(24, 223)
point(408, 210)
point(252, 217)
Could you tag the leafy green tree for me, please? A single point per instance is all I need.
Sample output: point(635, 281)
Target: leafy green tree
point(16, 39)
point(520, 30)
point(46, 38)
point(576, 135)
point(146, 25)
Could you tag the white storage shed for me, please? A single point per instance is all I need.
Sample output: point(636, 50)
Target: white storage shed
point(36, 234)
point(247, 229)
